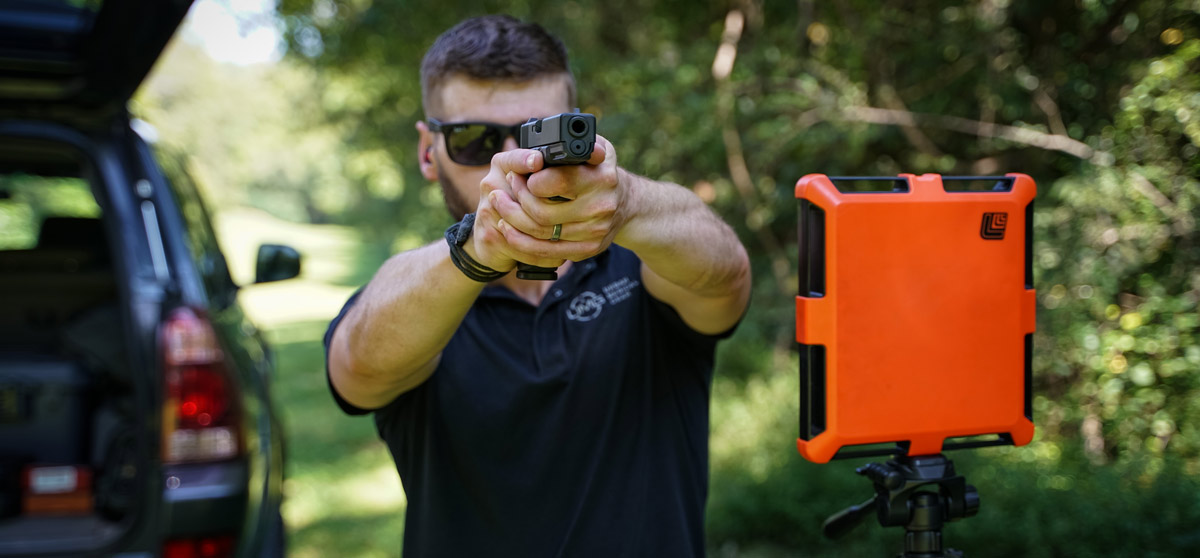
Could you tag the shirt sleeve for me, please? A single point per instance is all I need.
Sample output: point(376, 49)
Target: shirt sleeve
point(671, 317)
point(337, 398)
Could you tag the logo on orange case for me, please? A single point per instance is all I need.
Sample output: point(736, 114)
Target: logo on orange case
point(993, 224)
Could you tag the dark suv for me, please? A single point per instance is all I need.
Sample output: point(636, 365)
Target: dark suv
point(135, 416)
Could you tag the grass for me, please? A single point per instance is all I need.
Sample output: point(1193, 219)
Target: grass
point(342, 495)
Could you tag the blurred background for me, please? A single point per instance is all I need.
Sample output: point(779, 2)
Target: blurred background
point(297, 118)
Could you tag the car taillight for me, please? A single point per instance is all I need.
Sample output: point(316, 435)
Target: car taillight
point(200, 419)
point(202, 547)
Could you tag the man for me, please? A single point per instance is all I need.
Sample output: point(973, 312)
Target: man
point(538, 418)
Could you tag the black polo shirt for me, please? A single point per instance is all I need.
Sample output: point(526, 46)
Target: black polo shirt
point(575, 428)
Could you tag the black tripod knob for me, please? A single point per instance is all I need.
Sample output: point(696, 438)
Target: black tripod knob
point(842, 522)
point(885, 475)
point(970, 502)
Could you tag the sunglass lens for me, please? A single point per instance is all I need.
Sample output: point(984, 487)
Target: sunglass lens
point(473, 144)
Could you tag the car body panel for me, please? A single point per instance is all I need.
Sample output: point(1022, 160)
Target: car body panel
point(79, 62)
point(246, 351)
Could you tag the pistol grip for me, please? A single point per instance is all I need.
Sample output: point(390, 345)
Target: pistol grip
point(535, 273)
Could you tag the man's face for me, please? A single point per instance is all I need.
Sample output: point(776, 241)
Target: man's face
point(501, 102)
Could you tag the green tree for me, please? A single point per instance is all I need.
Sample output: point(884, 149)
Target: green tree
point(254, 135)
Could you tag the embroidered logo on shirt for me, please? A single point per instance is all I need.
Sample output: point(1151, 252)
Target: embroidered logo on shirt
point(619, 290)
point(587, 305)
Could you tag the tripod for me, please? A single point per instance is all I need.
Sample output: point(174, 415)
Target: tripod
point(900, 500)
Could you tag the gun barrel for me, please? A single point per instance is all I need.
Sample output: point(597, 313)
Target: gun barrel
point(563, 139)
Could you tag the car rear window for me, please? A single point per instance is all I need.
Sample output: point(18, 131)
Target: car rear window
point(55, 263)
point(39, 211)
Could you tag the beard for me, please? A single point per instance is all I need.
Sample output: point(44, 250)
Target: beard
point(455, 204)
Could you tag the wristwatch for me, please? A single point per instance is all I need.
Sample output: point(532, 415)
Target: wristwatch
point(456, 237)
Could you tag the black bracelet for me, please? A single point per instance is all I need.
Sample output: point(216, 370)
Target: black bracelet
point(456, 236)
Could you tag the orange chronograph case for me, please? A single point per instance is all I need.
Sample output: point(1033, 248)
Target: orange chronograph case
point(915, 313)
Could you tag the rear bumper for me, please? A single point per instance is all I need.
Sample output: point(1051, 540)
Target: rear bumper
point(205, 498)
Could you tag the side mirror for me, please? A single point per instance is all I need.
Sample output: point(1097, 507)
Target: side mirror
point(276, 263)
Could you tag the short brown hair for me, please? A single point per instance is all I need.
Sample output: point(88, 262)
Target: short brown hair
point(493, 47)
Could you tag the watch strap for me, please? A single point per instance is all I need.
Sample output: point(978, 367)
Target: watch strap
point(456, 236)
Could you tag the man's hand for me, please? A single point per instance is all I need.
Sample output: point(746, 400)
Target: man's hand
point(489, 240)
point(590, 219)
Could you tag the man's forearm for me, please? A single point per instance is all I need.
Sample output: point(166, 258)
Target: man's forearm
point(680, 239)
point(390, 340)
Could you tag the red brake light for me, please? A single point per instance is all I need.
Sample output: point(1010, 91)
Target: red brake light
point(202, 396)
point(203, 547)
point(179, 549)
point(199, 414)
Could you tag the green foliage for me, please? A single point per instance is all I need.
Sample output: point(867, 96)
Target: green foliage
point(1117, 252)
point(254, 135)
point(1042, 500)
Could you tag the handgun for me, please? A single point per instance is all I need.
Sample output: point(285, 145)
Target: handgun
point(563, 139)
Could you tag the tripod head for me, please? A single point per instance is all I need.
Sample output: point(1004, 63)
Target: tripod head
point(902, 498)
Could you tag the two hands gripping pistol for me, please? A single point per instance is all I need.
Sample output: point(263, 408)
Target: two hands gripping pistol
point(563, 139)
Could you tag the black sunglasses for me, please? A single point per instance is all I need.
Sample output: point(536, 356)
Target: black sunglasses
point(474, 143)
